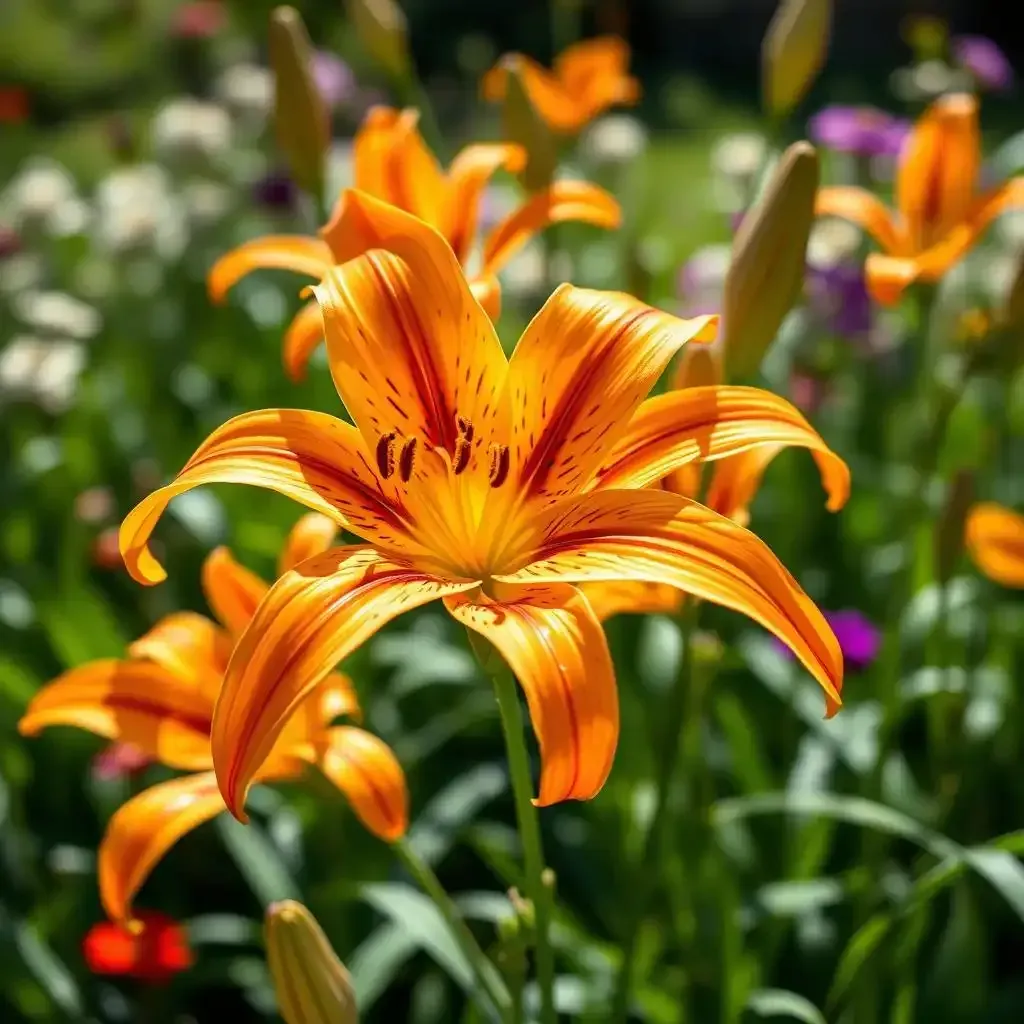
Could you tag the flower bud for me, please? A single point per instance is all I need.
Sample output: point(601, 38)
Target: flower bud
point(793, 51)
point(300, 117)
point(521, 123)
point(312, 984)
point(384, 34)
point(766, 272)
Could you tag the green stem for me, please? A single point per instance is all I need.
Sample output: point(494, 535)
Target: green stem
point(485, 973)
point(538, 885)
point(646, 877)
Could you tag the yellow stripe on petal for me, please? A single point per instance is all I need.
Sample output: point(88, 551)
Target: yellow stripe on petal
point(560, 202)
point(304, 333)
point(864, 209)
point(310, 457)
point(706, 423)
point(658, 537)
point(232, 591)
point(366, 770)
point(144, 829)
point(557, 649)
point(191, 646)
point(995, 541)
point(312, 535)
point(309, 256)
point(311, 619)
point(137, 702)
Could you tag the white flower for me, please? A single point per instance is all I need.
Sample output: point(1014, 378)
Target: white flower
point(20, 271)
point(738, 156)
point(247, 90)
point(614, 139)
point(1011, 229)
point(187, 130)
point(831, 242)
point(19, 361)
point(524, 274)
point(57, 313)
point(44, 371)
point(340, 172)
point(205, 202)
point(928, 80)
point(36, 195)
point(135, 210)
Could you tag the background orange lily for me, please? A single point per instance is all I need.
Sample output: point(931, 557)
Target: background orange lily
point(995, 541)
point(161, 699)
point(393, 163)
point(495, 484)
point(587, 79)
point(939, 212)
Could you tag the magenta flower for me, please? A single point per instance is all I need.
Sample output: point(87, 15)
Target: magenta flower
point(985, 61)
point(862, 131)
point(859, 638)
point(334, 79)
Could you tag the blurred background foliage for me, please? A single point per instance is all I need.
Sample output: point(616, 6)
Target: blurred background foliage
point(864, 866)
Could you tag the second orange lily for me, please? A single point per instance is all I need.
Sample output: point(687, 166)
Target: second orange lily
point(940, 212)
point(393, 163)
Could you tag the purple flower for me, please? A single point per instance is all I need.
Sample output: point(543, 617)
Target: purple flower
point(702, 278)
point(859, 638)
point(862, 131)
point(839, 296)
point(333, 78)
point(983, 59)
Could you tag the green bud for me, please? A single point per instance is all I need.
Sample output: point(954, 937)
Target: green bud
point(521, 123)
point(300, 116)
point(312, 984)
point(766, 274)
point(793, 52)
point(384, 33)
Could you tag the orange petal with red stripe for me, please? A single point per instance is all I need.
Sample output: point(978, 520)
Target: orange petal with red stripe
point(308, 256)
point(995, 541)
point(232, 591)
point(304, 333)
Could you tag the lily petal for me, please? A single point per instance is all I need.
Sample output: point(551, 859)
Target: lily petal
point(308, 256)
point(660, 537)
point(410, 348)
point(232, 591)
point(138, 702)
point(864, 209)
point(613, 597)
point(581, 65)
point(190, 646)
point(557, 649)
point(366, 770)
point(312, 618)
point(559, 202)
point(995, 541)
point(580, 370)
point(707, 423)
point(555, 105)
point(144, 829)
point(487, 291)
point(312, 535)
point(470, 171)
point(304, 333)
point(371, 154)
point(311, 457)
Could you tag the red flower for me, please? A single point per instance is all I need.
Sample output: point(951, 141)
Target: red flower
point(200, 20)
point(154, 952)
point(13, 104)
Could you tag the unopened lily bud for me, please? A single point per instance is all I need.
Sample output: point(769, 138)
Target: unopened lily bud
point(766, 273)
point(312, 984)
point(384, 34)
point(521, 123)
point(793, 51)
point(300, 117)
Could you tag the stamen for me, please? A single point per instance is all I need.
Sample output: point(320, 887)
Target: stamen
point(463, 450)
point(405, 460)
point(386, 454)
point(465, 427)
point(499, 464)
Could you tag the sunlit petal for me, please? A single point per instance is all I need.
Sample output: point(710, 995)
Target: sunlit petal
point(308, 256)
point(659, 537)
point(372, 147)
point(487, 291)
point(231, 590)
point(995, 540)
point(138, 702)
point(558, 652)
point(888, 277)
point(612, 597)
point(144, 829)
point(191, 646)
point(311, 457)
point(554, 104)
point(313, 617)
point(582, 64)
point(312, 535)
point(864, 209)
point(304, 333)
point(366, 770)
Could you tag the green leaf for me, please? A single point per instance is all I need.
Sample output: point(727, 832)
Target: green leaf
point(80, 625)
point(777, 1002)
point(47, 969)
point(258, 861)
point(377, 961)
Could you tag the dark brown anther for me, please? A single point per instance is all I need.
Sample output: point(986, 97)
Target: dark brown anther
point(405, 460)
point(463, 450)
point(499, 464)
point(465, 427)
point(386, 454)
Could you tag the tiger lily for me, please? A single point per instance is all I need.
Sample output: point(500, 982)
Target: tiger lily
point(587, 79)
point(939, 214)
point(995, 541)
point(393, 163)
point(161, 699)
point(495, 484)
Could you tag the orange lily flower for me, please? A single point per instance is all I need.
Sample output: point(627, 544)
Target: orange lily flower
point(940, 213)
point(496, 484)
point(995, 541)
point(393, 163)
point(161, 699)
point(587, 79)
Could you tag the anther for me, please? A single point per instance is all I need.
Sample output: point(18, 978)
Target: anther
point(499, 464)
point(465, 427)
point(405, 460)
point(463, 450)
point(386, 454)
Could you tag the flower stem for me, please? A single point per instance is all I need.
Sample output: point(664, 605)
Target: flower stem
point(538, 884)
point(486, 975)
